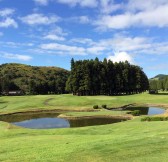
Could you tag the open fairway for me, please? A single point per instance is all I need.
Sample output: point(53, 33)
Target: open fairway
point(129, 141)
point(70, 102)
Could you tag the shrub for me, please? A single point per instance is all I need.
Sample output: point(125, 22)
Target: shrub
point(155, 118)
point(104, 106)
point(135, 112)
point(95, 106)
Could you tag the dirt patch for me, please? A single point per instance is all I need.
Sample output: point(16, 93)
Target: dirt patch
point(46, 102)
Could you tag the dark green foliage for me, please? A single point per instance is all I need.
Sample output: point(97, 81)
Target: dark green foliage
point(32, 79)
point(159, 84)
point(135, 112)
point(94, 77)
point(95, 106)
point(104, 106)
point(154, 118)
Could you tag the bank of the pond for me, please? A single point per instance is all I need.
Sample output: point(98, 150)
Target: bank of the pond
point(97, 116)
point(120, 142)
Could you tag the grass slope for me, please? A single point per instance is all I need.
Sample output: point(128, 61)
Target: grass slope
point(128, 141)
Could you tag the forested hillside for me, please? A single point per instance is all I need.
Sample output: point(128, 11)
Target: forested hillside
point(94, 77)
point(159, 77)
point(32, 79)
point(159, 82)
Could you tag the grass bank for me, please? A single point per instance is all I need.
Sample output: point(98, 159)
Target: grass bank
point(120, 142)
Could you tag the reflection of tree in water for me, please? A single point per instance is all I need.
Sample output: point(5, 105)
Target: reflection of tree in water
point(143, 110)
point(93, 121)
point(26, 116)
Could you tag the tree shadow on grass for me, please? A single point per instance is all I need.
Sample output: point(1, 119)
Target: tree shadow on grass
point(160, 94)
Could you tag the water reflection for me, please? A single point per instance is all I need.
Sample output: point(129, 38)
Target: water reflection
point(93, 121)
point(51, 120)
point(42, 123)
point(147, 110)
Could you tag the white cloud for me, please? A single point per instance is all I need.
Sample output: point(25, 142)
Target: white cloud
point(85, 41)
point(16, 57)
point(121, 56)
point(143, 5)
point(54, 37)
point(88, 3)
point(152, 15)
point(108, 6)
point(74, 50)
point(82, 3)
point(8, 22)
point(38, 19)
point(86, 46)
point(6, 12)
point(83, 19)
point(80, 19)
point(56, 34)
point(41, 2)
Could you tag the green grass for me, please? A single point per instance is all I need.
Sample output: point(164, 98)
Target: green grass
point(127, 141)
point(70, 102)
point(130, 141)
point(99, 113)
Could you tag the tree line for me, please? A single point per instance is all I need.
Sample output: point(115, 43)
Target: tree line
point(32, 79)
point(160, 84)
point(94, 77)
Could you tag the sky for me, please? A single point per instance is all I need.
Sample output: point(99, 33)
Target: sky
point(51, 32)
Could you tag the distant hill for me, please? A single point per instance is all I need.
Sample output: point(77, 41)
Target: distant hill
point(32, 79)
point(159, 77)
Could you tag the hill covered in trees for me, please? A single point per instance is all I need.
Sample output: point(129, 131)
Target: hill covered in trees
point(32, 79)
point(94, 77)
point(159, 82)
point(159, 77)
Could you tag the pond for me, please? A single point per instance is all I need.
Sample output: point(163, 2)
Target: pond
point(51, 120)
point(48, 120)
point(147, 110)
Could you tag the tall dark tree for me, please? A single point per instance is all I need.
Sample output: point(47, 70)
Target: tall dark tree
point(94, 77)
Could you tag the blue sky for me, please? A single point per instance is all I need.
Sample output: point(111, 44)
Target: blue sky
point(51, 32)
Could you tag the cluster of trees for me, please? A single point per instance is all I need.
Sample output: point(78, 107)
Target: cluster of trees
point(94, 77)
point(32, 79)
point(160, 84)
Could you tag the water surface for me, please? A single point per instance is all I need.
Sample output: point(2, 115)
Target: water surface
point(147, 110)
point(51, 120)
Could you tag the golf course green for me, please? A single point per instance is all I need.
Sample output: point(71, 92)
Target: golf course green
point(128, 141)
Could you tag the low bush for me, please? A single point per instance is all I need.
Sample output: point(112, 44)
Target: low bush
point(104, 106)
point(95, 106)
point(154, 118)
point(135, 112)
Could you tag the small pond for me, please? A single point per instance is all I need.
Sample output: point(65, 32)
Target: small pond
point(147, 110)
point(51, 120)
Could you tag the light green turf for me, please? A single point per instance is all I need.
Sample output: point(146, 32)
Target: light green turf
point(131, 141)
point(99, 113)
point(70, 102)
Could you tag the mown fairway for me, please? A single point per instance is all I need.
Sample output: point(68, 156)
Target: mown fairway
point(130, 141)
point(70, 102)
point(127, 141)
